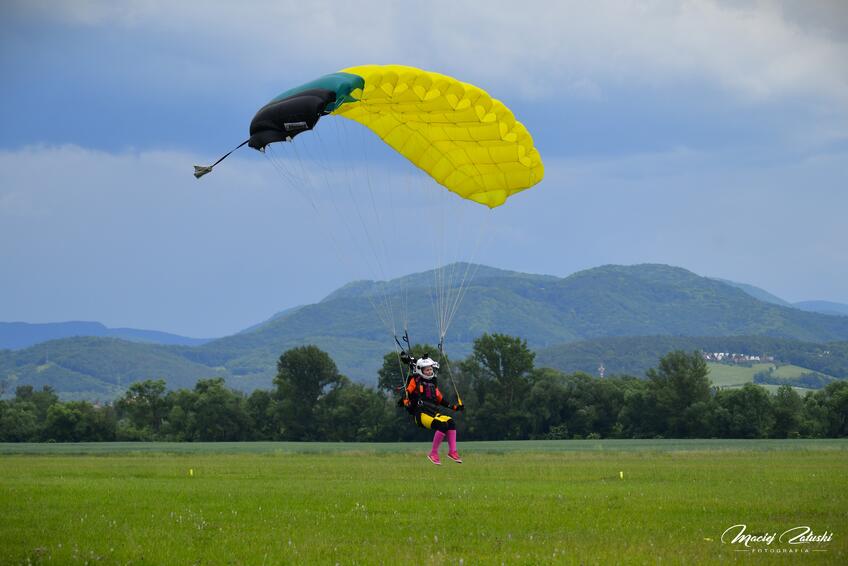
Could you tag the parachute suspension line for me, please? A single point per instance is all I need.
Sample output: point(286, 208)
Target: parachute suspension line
point(302, 184)
point(437, 288)
point(452, 294)
point(444, 276)
point(398, 351)
point(378, 222)
point(402, 225)
point(201, 170)
point(377, 245)
point(387, 315)
point(450, 374)
point(471, 268)
point(279, 165)
point(307, 192)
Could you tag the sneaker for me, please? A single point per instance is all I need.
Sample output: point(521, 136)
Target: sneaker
point(455, 457)
point(434, 458)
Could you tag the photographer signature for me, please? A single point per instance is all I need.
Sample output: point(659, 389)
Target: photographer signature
point(737, 534)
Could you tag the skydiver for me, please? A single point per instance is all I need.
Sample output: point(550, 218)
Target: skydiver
point(423, 400)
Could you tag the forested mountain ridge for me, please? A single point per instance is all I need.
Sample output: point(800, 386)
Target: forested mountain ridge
point(607, 301)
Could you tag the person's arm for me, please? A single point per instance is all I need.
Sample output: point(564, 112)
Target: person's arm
point(440, 399)
point(443, 402)
point(410, 389)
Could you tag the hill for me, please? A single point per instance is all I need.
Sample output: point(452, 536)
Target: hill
point(635, 355)
point(608, 301)
point(97, 368)
point(757, 293)
point(824, 307)
point(17, 335)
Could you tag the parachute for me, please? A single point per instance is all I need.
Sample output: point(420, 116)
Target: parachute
point(454, 132)
point(464, 139)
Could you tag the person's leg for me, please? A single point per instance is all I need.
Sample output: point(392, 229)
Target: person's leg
point(434, 453)
point(432, 423)
point(451, 434)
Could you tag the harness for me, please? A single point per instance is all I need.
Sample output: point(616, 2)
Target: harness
point(424, 396)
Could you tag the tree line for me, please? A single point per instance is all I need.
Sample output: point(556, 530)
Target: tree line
point(505, 395)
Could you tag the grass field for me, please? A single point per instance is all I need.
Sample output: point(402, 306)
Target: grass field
point(545, 502)
point(730, 376)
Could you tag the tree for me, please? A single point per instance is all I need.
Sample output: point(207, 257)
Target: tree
point(95, 424)
point(304, 376)
point(506, 362)
point(833, 401)
point(744, 413)
point(814, 416)
point(787, 407)
point(61, 423)
point(260, 411)
point(499, 368)
point(353, 412)
point(42, 400)
point(219, 413)
point(180, 424)
point(679, 382)
point(19, 422)
point(145, 405)
point(549, 399)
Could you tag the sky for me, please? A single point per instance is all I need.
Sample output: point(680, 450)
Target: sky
point(705, 134)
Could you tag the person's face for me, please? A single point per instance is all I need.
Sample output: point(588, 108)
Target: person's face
point(427, 371)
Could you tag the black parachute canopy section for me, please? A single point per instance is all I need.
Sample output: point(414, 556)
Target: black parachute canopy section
point(299, 109)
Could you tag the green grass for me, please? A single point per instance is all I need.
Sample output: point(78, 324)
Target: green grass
point(789, 371)
point(510, 502)
point(731, 376)
point(725, 375)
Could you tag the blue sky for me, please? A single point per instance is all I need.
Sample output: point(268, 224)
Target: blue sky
point(704, 134)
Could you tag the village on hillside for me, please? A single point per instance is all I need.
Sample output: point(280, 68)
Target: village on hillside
point(734, 358)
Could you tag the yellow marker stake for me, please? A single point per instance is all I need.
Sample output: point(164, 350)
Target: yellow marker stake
point(621, 475)
point(191, 472)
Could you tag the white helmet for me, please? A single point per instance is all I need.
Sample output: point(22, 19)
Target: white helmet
point(424, 363)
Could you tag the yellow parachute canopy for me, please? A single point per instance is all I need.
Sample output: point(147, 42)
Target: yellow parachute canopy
point(466, 140)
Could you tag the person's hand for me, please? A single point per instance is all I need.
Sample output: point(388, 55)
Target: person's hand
point(458, 407)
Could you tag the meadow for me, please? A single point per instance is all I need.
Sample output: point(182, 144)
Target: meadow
point(732, 376)
point(530, 502)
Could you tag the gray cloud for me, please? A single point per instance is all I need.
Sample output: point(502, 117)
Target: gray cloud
point(756, 50)
point(132, 239)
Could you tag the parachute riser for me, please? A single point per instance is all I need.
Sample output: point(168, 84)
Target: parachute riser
point(447, 365)
point(403, 375)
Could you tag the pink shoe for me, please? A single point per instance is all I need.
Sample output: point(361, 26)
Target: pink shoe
point(455, 457)
point(434, 458)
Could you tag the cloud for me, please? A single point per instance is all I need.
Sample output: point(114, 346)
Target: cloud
point(132, 239)
point(757, 50)
point(776, 224)
point(715, 132)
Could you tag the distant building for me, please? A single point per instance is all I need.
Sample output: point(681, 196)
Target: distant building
point(734, 358)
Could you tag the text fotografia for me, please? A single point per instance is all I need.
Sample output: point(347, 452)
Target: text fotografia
point(799, 539)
